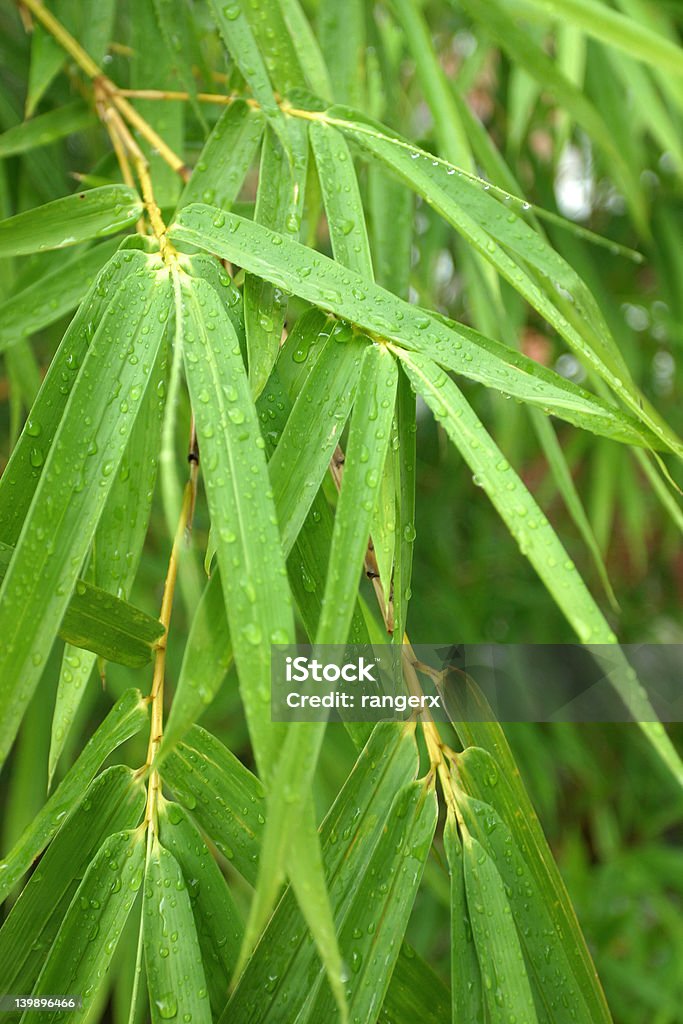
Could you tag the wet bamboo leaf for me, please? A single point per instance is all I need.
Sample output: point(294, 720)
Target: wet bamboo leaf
point(175, 974)
point(125, 719)
point(113, 802)
point(467, 993)
point(88, 448)
point(368, 444)
point(101, 211)
point(227, 155)
point(342, 39)
point(506, 984)
point(331, 287)
point(90, 932)
point(223, 796)
point(239, 40)
point(415, 992)
point(253, 574)
point(218, 923)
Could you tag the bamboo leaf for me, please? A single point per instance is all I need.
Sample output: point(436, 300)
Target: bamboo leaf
point(227, 155)
point(506, 984)
point(124, 720)
point(467, 992)
point(175, 974)
point(87, 939)
point(102, 623)
point(45, 129)
point(342, 39)
point(415, 992)
point(88, 447)
point(101, 211)
point(322, 282)
point(349, 835)
point(371, 934)
point(309, 438)
point(113, 802)
point(279, 205)
point(55, 294)
point(223, 796)
point(21, 475)
point(218, 924)
point(257, 597)
point(368, 444)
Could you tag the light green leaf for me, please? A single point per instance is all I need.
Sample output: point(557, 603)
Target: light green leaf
point(506, 985)
point(349, 835)
point(342, 39)
point(223, 796)
point(99, 622)
point(341, 197)
point(253, 574)
point(86, 941)
point(45, 129)
point(404, 472)
point(175, 974)
point(53, 295)
point(415, 992)
point(467, 994)
point(324, 283)
point(239, 40)
point(226, 157)
point(88, 447)
point(306, 47)
point(113, 802)
point(100, 211)
point(368, 444)
point(218, 923)
point(314, 428)
point(125, 719)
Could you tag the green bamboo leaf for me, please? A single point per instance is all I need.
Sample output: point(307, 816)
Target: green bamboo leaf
point(615, 29)
point(314, 428)
point(239, 40)
point(45, 129)
point(550, 959)
point(284, 960)
point(97, 621)
point(279, 206)
point(404, 471)
point(175, 974)
point(341, 197)
point(506, 984)
point(342, 39)
point(227, 155)
point(87, 939)
point(101, 211)
point(113, 802)
point(534, 534)
point(288, 805)
point(21, 475)
point(383, 524)
point(275, 43)
point(223, 796)
point(449, 129)
point(368, 444)
point(177, 27)
point(117, 546)
point(98, 25)
point(47, 57)
point(257, 597)
point(565, 484)
point(374, 928)
point(467, 993)
point(125, 719)
point(415, 992)
point(391, 229)
point(88, 448)
point(218, 923)
point(324, 283)
point(306, 47)
point(48, 299)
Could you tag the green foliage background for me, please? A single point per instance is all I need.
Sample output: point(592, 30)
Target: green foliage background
point(512, 92)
